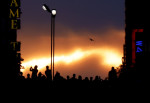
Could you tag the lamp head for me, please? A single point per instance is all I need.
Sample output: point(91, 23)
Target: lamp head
point(54, 12)
point(46, 8)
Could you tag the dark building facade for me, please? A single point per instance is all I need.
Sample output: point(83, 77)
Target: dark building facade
point(137, 41)
point(10, 47)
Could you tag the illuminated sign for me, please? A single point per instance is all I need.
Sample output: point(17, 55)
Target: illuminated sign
point(15, 46)
point(139, 45)
point(14, 14)
point(136, 44)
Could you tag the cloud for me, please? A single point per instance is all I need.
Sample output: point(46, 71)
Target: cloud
point(75, 24)
point(87, 63)
point(35, 47)
point(87, 67)
point(110, 37)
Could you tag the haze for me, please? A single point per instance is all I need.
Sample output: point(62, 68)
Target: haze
point(76, 22)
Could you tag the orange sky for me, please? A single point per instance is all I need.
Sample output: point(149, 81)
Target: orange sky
point(76, 22)
point(93, 58)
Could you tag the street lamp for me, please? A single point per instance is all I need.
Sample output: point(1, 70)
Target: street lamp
point(46, 8)
point(53, 14)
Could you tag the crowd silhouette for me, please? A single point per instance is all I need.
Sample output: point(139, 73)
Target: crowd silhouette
point(39, 80)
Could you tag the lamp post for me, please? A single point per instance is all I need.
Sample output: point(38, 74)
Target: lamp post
point(53, 14)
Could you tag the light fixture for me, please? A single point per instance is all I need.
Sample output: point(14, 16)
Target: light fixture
point(53, 12)
point(46, 8)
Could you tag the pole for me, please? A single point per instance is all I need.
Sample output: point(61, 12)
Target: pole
point(53, 44)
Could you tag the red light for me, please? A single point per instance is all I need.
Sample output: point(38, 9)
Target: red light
point(134, 45)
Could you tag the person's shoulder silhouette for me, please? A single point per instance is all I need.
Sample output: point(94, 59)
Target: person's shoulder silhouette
point(112, 74)
point(48, 73)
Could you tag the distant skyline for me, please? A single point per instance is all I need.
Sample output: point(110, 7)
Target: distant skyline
point(76, 22)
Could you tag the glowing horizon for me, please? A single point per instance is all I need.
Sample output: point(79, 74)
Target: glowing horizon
point(110, 58)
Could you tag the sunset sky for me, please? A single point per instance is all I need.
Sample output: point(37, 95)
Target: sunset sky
point(76, 22)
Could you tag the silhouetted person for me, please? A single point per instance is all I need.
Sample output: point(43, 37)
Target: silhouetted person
point(73, 81)
point(74, 77)
point(28, 77)
point(80, 78)
point(21, 77)
point(34, 72)
point(48, 73)
point(58, 77)
point(112, 75)
point(39, 76)
point(96, 78)
point(68, 81)
point(68, 78)
point(86, 79)
point(91, 79)
point(99, 78)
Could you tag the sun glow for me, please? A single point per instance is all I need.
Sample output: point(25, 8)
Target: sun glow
point(112, 59)
point(42, 62)
point(109, 58)
point(77, 55)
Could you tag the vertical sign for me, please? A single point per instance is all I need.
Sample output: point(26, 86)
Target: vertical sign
point(14, 14)
point(137, 44)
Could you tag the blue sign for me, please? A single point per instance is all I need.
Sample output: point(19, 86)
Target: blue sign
point(139, 45)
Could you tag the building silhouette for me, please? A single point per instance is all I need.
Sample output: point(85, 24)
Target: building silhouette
point(137, 41)
point(10, 47)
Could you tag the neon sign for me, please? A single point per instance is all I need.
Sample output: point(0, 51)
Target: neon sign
point(139, 44)
point(136, 45)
